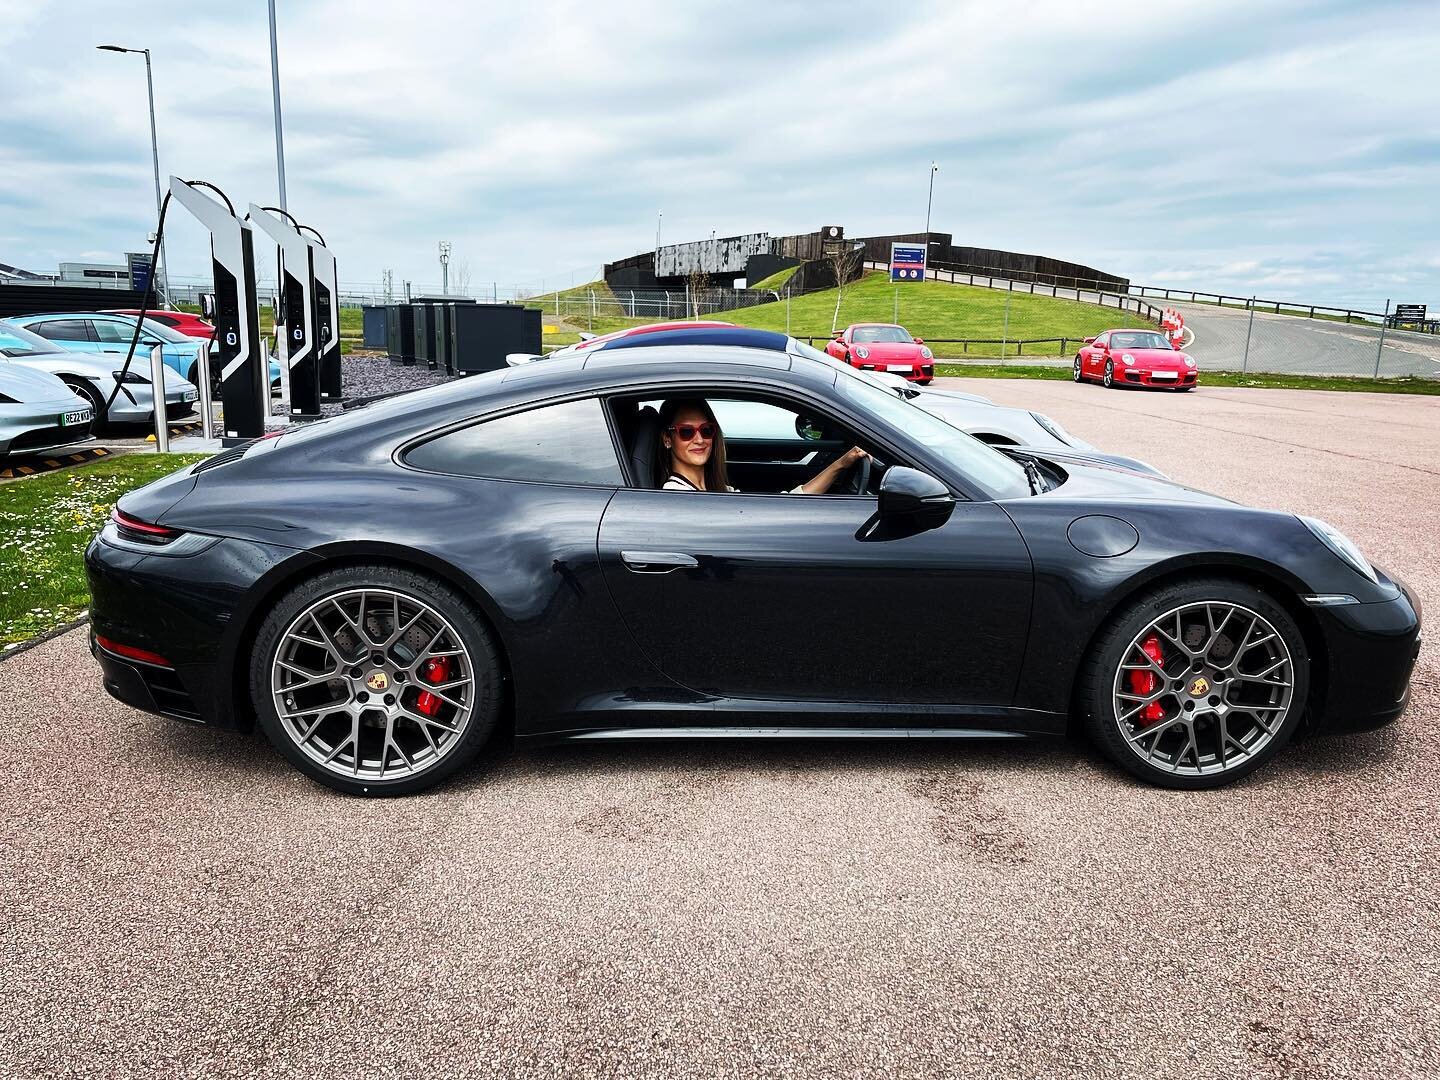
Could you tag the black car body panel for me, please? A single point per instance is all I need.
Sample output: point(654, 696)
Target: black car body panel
point(792, 615)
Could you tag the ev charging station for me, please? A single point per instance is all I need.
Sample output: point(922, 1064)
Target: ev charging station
point(244, 369)
point(325, 288)
point(300, 356)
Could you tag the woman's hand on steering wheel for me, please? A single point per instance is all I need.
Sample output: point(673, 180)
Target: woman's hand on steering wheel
point(862, 479)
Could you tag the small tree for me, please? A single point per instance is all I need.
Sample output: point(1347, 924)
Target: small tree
point(843, 261)
point(696, 280)
point(460, 276)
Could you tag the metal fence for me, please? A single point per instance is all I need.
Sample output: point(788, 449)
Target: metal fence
point(596, 309)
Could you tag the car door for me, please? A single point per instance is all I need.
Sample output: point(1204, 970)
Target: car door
point(1098, 352)
point(785, 597)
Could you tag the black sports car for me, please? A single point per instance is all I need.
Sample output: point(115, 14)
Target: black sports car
point(384, 591)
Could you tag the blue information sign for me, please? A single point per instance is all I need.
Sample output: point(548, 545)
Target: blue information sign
point(907, 262)
point(141, 267)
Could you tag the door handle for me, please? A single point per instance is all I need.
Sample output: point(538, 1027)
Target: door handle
point(658, 562)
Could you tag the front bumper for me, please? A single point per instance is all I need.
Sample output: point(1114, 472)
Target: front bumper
point(1371, 654)
point(921, 373)
point(1162, 381)
point(34, 428)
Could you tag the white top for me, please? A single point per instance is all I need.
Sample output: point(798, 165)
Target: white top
point(680, 483)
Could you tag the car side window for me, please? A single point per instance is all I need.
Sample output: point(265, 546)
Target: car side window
point(62, 330)
point(568, 443)
point(111, 332)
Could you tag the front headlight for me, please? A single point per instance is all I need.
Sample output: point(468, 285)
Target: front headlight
point(926, 354)
point(1127, 359)
point(862, 352)
point(1189, 361)
point(1341, 545)
point(129, 377)
point(1052, 427)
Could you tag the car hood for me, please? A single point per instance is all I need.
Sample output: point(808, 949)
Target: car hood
point(29, 386)
point(1091, 479)
point(90, 365)
point(890, 351)
point(954, 395)
point(1077, 456)
point(1161, 358)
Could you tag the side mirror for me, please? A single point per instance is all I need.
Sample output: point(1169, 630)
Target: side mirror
point(919, 341)
point(1089, 341)
point(808, 429)
point(913, 498)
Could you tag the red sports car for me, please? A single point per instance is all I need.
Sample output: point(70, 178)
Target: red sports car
point(884, 347)
point(182, 322)
point(1135, 358)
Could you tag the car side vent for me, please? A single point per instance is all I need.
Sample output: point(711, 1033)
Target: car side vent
point(225, 457)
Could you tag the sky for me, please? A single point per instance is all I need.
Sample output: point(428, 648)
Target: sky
point(1291, 150)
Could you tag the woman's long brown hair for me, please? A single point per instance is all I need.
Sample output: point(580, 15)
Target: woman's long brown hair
point(715, 478)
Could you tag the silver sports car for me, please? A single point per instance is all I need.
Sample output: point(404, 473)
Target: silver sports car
point(93, 376)
point(38, 412)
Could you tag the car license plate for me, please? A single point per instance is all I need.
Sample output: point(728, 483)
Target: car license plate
point(901, 369)
point(80, 416)
point(190, 395)
point(1157, 375)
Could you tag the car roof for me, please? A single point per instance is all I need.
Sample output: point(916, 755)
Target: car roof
point(741, 336)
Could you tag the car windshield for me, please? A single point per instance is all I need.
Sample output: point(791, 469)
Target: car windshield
point(991, 470)
point(880, 333)
point(17, 341)
point(1138, 339)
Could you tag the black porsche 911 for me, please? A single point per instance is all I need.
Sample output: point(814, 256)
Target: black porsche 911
point(385, 591)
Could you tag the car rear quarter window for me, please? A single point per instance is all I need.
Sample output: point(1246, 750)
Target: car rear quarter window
point(63, 330)
point(568, 443)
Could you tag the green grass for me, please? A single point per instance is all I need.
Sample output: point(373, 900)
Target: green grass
point(47, 520)
point(776, 281)
point(932, 310)
point(1406, 384)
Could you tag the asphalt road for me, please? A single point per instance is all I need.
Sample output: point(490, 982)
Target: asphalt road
point(180, 902)
point(1281, 344)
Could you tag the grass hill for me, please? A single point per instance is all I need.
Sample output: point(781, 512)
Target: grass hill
point(935, 310)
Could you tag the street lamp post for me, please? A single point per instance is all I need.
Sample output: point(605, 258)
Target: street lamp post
point(275, 93)
point(929, 200)
point(161, 270)
point(445, 267)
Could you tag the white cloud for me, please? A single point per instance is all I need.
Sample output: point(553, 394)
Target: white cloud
point(544, 137)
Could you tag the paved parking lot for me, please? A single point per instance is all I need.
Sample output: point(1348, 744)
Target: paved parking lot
point(181, 902)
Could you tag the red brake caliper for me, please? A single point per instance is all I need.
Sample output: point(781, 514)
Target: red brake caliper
point(435, 671)
point(1145, 683)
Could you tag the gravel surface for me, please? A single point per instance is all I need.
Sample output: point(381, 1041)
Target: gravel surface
point(179, 901)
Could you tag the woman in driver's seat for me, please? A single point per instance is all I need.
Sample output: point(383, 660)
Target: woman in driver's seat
point(692, 452)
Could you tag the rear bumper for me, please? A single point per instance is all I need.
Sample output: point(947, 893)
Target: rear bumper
point(1372, 649)
point(195, 612)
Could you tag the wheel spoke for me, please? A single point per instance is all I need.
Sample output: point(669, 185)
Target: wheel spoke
point(371, 620)
point(1233, 733)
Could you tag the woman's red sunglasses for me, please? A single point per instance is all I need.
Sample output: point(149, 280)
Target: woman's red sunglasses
point(686, 432)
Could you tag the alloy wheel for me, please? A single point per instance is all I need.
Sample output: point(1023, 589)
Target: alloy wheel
point(1203, 689)
point(373, 684)
point(1109, 378)
point(1077, 369)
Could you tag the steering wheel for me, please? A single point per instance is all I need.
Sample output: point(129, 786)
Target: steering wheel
point(858, 481)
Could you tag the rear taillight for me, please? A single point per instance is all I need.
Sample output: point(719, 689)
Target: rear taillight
point(132, 528)
point(130, 652)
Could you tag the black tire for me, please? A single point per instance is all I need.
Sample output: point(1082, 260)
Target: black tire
point(82, 388)
point(1079, 376)
point(1098, 677)
point(487, 670)
point(1108, 379)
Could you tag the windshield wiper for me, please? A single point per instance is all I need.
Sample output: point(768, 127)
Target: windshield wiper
point(1038, 484)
